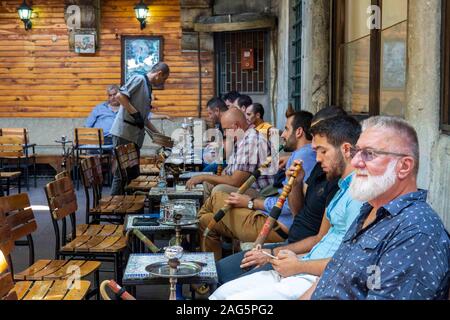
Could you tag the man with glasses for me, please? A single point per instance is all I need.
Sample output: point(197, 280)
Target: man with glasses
point(397, 248)
point(298, 265)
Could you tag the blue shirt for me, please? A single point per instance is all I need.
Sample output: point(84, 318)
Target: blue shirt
point(403, 255)
point(101, 117)
point(308, 156)
point(341, 212)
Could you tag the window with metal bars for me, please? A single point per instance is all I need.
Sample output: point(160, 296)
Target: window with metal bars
point(231, 74)
point(297, 58)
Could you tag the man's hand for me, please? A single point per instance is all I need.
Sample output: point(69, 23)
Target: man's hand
point(192, 182)
point(138, 120)
point(291, 170)
point(255, 258)
point(238, 200)
point(287, 263)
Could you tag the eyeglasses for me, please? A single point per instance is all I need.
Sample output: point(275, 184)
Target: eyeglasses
point(368, 154)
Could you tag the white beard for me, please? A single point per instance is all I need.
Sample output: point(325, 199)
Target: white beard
point(371, 187)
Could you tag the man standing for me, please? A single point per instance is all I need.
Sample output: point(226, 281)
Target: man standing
point(255, 116)
point(397, 248)
point(104, 114)
point(135, 98)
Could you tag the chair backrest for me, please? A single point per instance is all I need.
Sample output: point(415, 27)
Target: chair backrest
point(92, 179)
point(133, 158)
point(11, 147)
point(16, 132)
point(62, 174)
point(62, 202)
point(6, 285)
point(61, 198)
point(6, 243)
point(90, 136)
point(19, 215)
point(121, 152)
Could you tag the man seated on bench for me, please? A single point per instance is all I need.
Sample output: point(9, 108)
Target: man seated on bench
point(249, 151)
point(397, 248)
point(292, 275)
point(249, 213)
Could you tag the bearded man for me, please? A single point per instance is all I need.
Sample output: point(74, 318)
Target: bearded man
point(398, 247)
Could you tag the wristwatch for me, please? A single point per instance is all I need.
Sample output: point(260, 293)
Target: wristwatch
point(251, 204)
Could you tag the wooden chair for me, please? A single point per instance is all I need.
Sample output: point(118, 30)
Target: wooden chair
point(127, 158)
point(62, 288)
point(113, 208)
point(20, 219)
point(25, 158)
point(94, 242)
point(87, 142)
point(8, 176)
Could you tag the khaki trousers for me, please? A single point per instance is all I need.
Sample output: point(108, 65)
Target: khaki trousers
point(209, 189)
point(241, 224)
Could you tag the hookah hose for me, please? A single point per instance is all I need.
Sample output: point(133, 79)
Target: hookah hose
point(276, 210)
point(119, 292)
point(244, 187)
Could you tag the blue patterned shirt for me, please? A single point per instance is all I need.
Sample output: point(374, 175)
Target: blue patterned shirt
point(403, 255)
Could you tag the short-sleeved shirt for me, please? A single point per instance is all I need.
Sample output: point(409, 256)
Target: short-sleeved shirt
point(138, 90)
point(102, 116)
point(341, 212)
point(308, 156)
point(403, 255)
point(249, 153)
point(319, 194)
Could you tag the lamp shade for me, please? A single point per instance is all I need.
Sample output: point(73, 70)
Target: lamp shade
point(24, 11)
point(141, 11)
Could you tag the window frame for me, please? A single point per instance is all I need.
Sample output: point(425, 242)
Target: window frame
point(337, 38)
point(445, 81)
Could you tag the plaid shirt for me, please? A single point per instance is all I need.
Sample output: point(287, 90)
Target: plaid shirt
point(250, 151)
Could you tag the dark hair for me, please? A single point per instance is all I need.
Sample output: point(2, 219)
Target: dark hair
point(161, 66)
point(338, 130)
point(244, 101)
point(231, 96)
point(258, 108)
point(302, 119)
point(217, 103)
point(328, 112)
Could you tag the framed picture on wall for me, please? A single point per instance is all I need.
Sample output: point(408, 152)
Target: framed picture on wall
point(85, 42)
point(140, 54)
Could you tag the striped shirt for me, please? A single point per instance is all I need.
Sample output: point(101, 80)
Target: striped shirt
point(250, 151)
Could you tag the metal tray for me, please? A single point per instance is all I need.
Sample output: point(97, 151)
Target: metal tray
point(180, 223)
point(184, 270)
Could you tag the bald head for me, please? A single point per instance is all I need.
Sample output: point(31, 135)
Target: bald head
point(234, 118)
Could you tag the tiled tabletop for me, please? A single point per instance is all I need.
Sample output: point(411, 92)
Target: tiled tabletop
point(135, 273)
point(161, 227)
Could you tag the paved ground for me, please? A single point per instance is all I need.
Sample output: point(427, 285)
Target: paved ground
point(44, 239)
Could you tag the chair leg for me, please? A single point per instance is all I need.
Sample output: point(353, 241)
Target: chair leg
point(34, 172)
point(97, 283)
point(19, 183)
point(7, 186)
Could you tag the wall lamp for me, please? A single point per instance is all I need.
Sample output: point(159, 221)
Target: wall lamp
point(25, 12)
point(141, 11)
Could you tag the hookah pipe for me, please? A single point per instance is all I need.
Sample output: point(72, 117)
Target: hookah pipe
point(244, 187)
point(146, 241)
point(276, 210)
point(119, 292)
